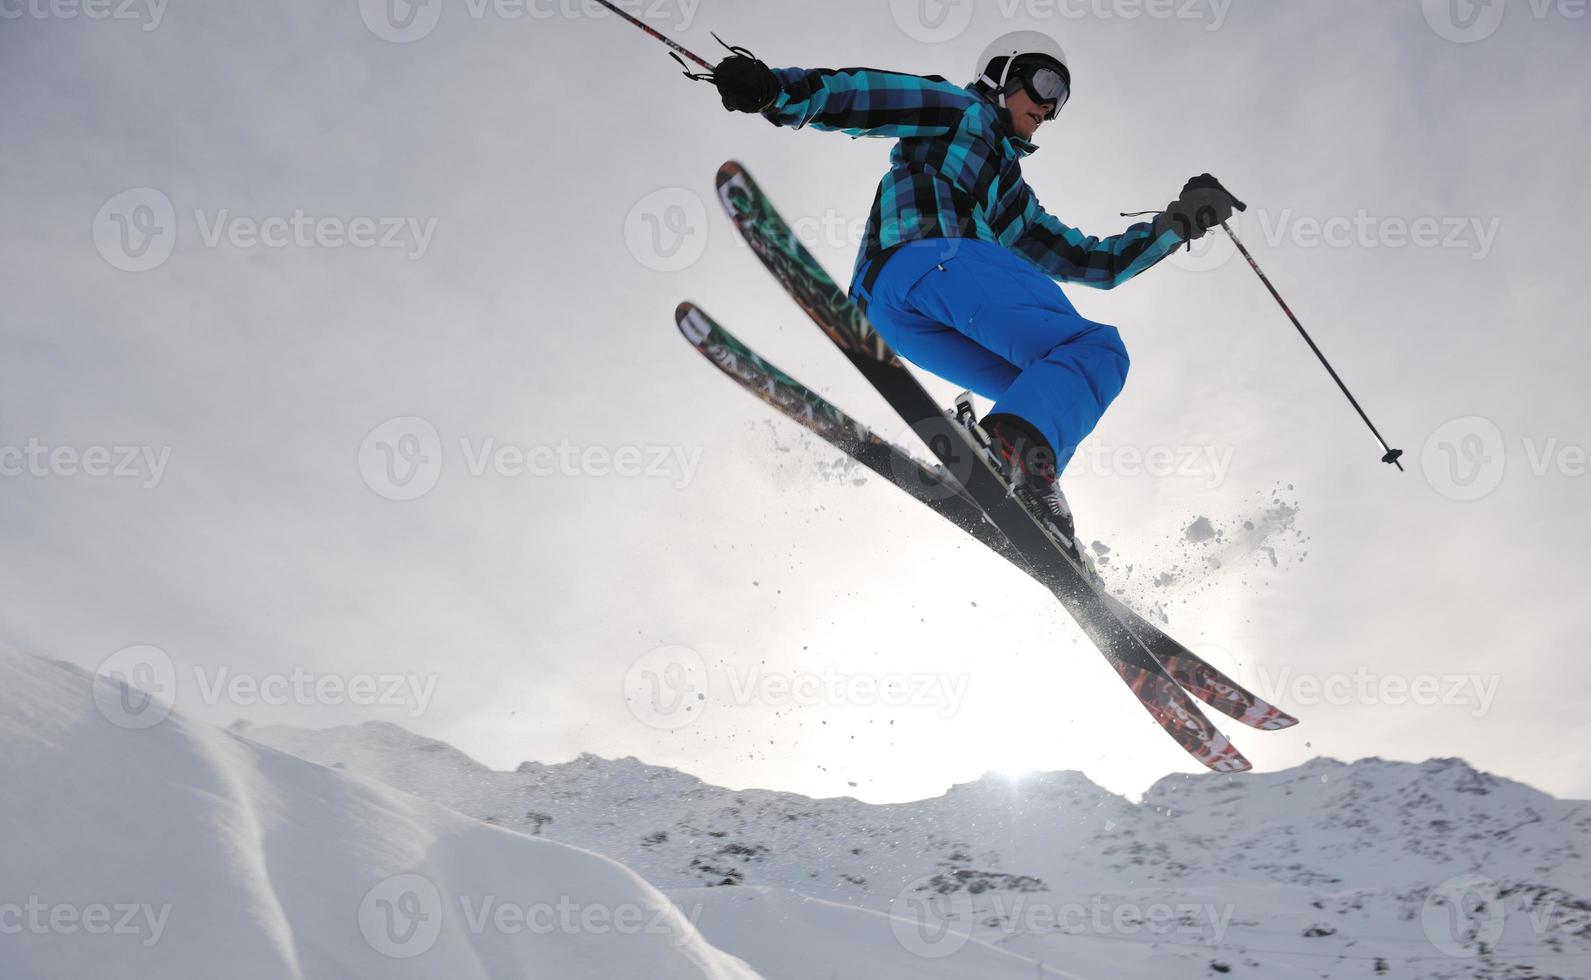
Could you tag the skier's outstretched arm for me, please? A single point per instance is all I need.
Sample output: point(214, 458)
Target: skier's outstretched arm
point(868, 102)
point(1104, 263)
point(857, 101)
point(1069, 255)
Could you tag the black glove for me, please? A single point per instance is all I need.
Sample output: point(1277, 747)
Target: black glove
point(745, 84)
point(1204, 204)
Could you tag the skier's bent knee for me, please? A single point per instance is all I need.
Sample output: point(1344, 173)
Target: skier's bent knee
point(1109, 338)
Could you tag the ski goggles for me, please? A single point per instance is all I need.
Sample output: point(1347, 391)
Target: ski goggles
point(1043, 80)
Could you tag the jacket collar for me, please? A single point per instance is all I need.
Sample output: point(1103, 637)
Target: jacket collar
point(1004, 126)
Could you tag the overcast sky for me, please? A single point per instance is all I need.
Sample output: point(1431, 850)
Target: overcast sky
point(273, 270)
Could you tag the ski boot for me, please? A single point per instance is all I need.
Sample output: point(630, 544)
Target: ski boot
point(1024, 458)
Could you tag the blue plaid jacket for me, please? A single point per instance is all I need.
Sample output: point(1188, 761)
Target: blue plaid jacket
point(956, 173)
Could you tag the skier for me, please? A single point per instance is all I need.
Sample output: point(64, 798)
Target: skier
point(959, 263)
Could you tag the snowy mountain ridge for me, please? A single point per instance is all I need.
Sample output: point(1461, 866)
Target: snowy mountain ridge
point(175, 849)
point(1430, 870)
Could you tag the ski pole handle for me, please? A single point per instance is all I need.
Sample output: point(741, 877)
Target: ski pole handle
point(666, 40)
point(1236, 204)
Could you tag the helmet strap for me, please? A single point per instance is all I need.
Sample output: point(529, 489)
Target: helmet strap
point(999, 86)
point(1005, 75)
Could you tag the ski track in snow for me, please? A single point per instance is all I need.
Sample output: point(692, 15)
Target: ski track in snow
point(177, 850)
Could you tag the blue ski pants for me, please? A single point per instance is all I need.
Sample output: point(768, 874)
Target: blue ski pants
point(982, 317)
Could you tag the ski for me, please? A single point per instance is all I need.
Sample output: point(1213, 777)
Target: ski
point(934, 488)
point(1047, 559)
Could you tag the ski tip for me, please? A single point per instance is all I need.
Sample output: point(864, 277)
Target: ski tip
point(1278, 723)
point(693, 323)
point(1219, 755)
point(729, 170)
point(1230, 762)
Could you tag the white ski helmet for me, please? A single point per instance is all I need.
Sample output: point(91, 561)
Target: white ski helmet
point(1003, 53)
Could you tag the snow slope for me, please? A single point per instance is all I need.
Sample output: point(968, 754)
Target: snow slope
point(180, 851)
point(1425, 871)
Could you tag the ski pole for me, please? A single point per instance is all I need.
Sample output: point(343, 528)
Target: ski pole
point(1392, 455)
point(677, 47)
